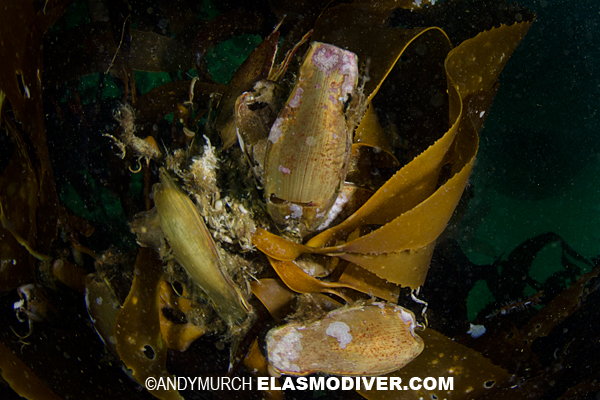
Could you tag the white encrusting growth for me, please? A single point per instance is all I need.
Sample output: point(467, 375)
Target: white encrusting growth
point(295, 101)
point(296, 211)
point(476, 331)
point(341, 332)
point(276, 132)
point(408, 318)
point(335, 209)
point(285, 351)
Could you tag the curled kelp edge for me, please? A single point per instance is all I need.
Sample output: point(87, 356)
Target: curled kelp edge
point(469, 84)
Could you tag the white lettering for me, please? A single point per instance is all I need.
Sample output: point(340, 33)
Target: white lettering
point(301, 383)
point(312, 383)
point(171, 383)
point(413, 385)
point(446, 383)
point(317, 383)
point(429, 383)
point(288, 383)
point(249, 383)
point(395, 383)
point(274, 384)
point(263, 383)
point(336, 383)
point(225, 382)
point(192, 381)
point(368, 384)
point(204, 385)
point(382, 383)
point(347, 383)
point(161, 384)
point(233, 385)
point(180, 385)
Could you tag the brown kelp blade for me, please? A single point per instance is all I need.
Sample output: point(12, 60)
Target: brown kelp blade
point(299, 281)
point(369, 283)
point(411, 265)
point(20, 210)
point(137, 328)
point(442, 358)
point(370, 133)
point(21, 86)
point(412, 218)
point(561, 307)
point(279, 300)
point(275, 296)
point(21, 378)
point(179, 335)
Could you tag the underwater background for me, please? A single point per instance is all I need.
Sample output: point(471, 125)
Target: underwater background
point(538, 161)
